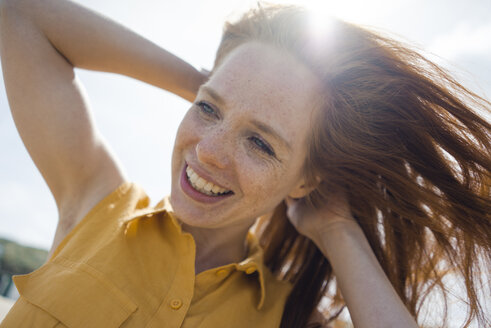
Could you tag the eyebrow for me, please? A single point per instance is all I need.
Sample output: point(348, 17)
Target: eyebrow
point(258, 124)
point(212, 93)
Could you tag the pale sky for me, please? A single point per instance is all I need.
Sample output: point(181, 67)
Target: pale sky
point(139, 121)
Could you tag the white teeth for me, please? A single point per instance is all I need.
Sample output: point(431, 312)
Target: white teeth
point(208, 186)
point(202, 185)
point(215, 189)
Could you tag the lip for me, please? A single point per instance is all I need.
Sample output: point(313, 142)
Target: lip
point(196, 195)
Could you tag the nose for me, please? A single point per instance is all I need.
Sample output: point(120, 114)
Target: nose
point(211, 150)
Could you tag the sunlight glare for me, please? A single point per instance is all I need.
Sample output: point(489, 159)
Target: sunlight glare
point(320, 23)
point(355, 11)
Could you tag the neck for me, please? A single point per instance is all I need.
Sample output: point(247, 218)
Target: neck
point(218, 246)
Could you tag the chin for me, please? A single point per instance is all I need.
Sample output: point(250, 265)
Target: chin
point(186, 214)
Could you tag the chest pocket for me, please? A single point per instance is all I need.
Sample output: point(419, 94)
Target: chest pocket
point(75, 294)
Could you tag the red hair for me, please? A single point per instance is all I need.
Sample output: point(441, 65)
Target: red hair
point(407, 143)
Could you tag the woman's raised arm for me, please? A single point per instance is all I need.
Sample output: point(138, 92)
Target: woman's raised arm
point(371, 299)
point(41, 43)
point(89, 40)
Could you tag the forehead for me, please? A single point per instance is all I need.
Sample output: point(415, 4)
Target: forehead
point(265, 83)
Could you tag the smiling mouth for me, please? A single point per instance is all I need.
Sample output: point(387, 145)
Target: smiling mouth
point(203, 186)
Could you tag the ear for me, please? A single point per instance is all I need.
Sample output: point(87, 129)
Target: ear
point(302, 189)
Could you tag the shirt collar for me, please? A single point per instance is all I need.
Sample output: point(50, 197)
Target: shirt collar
point(253, 264)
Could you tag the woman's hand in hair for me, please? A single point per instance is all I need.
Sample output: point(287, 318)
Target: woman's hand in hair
point(315, 223)
point(359, 275)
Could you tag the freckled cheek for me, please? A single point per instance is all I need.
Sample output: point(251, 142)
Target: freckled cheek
point(188, 131)
point(260, 182)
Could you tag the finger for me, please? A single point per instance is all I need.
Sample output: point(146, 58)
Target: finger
point(291, 210)
point(204, 71)
point(289, 201)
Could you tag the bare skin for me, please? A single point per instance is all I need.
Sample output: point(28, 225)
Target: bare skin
point(256, 83)
point(55, 124)
point(54, 121)
point(358, 273)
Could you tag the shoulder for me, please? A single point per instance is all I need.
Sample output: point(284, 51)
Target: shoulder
point(72, 213)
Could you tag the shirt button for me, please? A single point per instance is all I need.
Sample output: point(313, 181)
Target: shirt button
point(175, 304)
point(221, 272)
point(250, 270)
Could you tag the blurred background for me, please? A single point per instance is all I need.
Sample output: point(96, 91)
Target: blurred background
point(139, 121)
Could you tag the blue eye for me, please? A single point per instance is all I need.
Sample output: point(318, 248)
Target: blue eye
point(258, 143)
point(205, 108)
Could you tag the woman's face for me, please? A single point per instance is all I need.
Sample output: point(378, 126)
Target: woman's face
point(246, 135)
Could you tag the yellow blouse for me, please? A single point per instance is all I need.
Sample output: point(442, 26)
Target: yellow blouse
point(127, 264)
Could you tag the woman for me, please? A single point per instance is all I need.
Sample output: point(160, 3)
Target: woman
point(361, 159)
